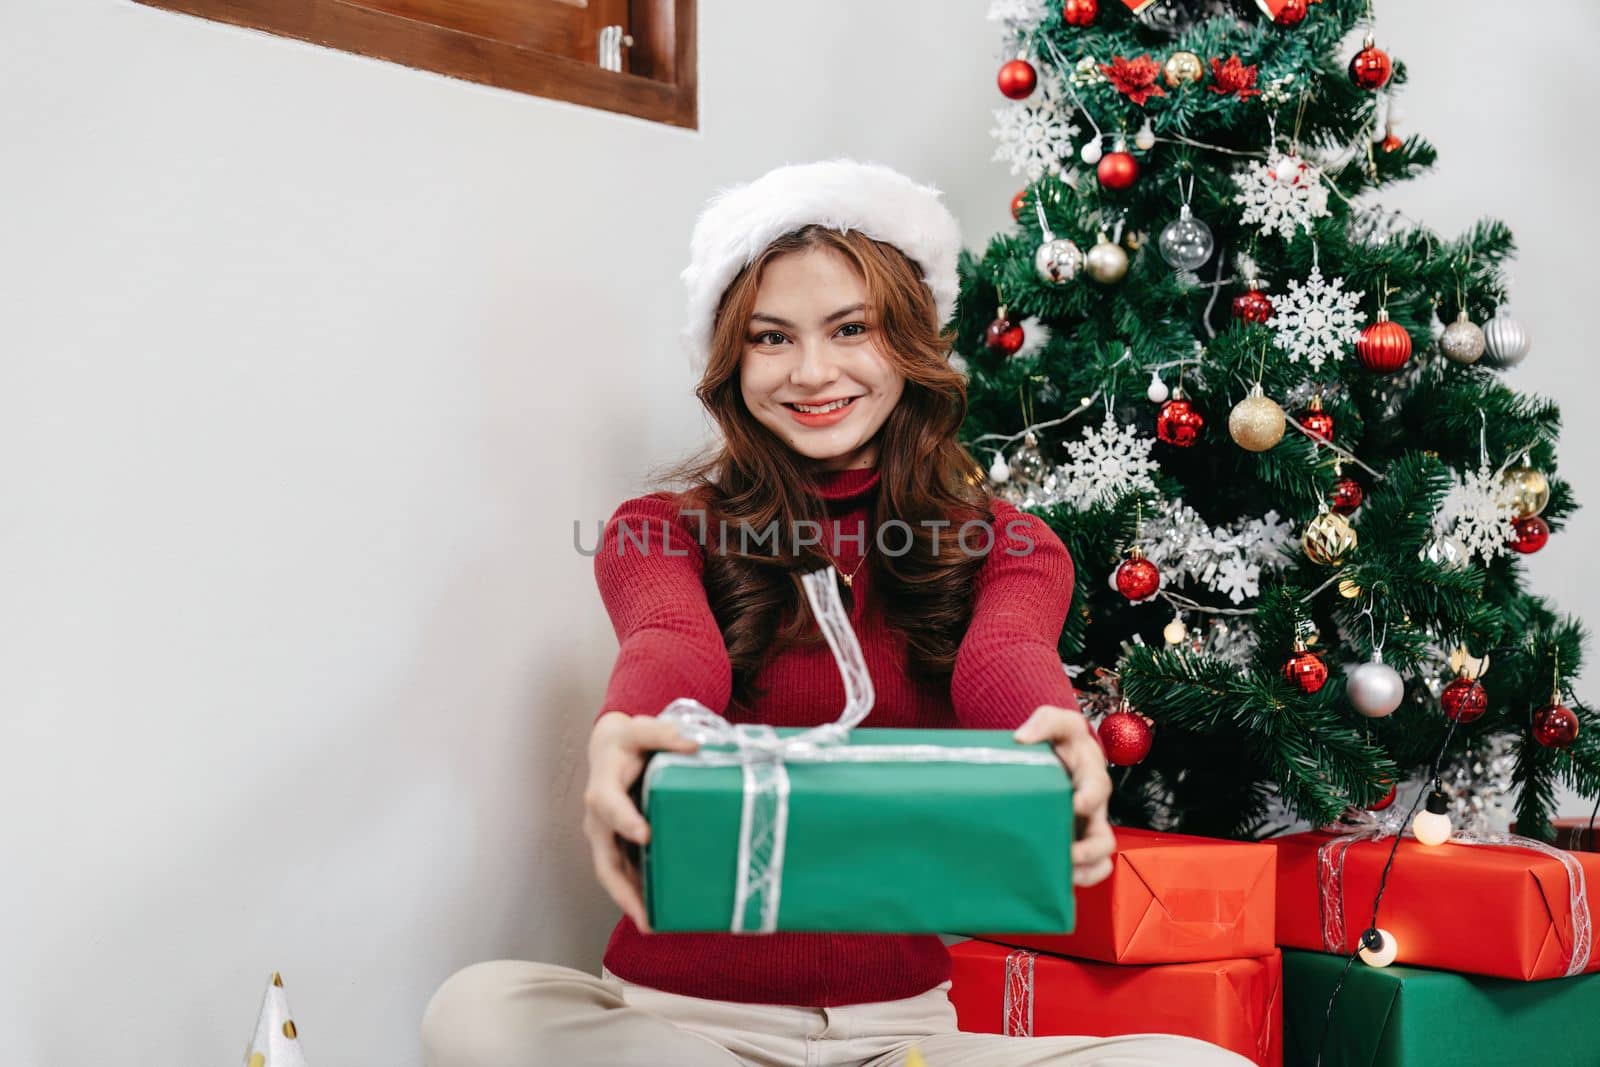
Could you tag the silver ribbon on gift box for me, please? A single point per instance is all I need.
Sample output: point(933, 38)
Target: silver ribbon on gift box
point(1017, 1017)
point(763, 755)
point(1366, 826)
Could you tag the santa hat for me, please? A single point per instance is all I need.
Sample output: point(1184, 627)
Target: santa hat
point(842, 194)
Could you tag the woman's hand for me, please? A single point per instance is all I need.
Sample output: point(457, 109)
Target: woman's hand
point(1068, 731)
point(619, 746)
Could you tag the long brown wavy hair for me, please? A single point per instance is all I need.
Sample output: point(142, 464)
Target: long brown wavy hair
point(754, 477)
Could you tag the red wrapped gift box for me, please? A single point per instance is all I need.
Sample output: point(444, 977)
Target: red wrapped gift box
point(1237, 1004)
point(1478, 909)
point(1170, 898)
point(1574, 832)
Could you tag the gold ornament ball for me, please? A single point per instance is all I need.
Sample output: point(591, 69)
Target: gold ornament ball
point(1328, 538)
point(1256, 423)
point(1107, 263)
point(1183, 68)
point(1526, 490)
point(1349, 589)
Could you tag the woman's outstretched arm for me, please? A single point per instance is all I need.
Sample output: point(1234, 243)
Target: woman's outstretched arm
point(1008, 663)
point(649, 570)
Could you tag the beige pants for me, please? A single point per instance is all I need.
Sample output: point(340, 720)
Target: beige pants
point(511, 1013)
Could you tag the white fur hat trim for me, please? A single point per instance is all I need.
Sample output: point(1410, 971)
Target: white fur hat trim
point(741, 220)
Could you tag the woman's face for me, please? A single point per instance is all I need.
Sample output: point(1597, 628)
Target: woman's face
point(810, 345)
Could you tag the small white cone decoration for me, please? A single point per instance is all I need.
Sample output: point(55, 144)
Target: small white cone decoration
point(277, 1040)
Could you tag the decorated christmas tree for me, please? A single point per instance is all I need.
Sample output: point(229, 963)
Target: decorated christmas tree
point(1270, 420)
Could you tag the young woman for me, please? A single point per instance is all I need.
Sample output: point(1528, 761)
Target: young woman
point(816, 296)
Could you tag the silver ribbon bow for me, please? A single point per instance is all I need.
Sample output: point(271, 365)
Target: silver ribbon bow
point(762, 755)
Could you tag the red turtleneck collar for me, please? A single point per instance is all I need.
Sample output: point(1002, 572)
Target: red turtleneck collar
point(848, 484)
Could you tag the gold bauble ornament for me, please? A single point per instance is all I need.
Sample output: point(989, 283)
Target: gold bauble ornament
point(1349, 589)
point(1328, 538)
point(1106, 263)
point(1526, 490)
point(1256, 423)
point(1183, 68)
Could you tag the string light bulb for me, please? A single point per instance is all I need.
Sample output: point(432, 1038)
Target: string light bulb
point(1378, 947)
point(1432, 826)
point(1175, 631)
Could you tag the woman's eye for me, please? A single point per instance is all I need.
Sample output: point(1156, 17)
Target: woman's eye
point(761, 338)
point(854, 326)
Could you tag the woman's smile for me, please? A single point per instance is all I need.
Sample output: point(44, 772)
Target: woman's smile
point(823, 413)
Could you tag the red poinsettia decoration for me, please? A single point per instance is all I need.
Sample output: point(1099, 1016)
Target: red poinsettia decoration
point(1136, 78)
point(1233, 77)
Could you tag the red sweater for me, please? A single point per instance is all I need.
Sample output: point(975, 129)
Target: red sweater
point(671, 647)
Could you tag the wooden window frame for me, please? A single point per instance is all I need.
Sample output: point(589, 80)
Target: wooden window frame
point(663, 48)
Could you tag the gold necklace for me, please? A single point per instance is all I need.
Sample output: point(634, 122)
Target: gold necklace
point(848, 578)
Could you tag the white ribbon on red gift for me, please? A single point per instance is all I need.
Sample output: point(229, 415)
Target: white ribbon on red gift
point(762, 755)
point(1369, 827)
point(1017, 1020)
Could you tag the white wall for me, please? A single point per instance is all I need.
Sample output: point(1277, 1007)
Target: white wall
point(309, 362)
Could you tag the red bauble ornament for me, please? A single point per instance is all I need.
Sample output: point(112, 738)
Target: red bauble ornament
point(1318, 423)
point(1392, 141)
point(1531, 534)
point(1306, 670)
point(1388, 798)
point(1003, 335)
point(1017, 79)
point(1554, 725)
point(1292, 13)
point(1079, 12)
point(1384, 346)
point(1370, 69)
point(1017, 203)
point(1464, 700)
point(1126, 737)
point(1179, 424)
point(1117, 170)
point(1252, 305)
point(1347, 495)
point(1137, 578)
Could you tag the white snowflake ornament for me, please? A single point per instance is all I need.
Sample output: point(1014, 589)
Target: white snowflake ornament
point(1017, 12)
point(1035, 135)
point(1105, 463)
point(1315, 320)
point(1480, 513)
point(1283, 194)
point(1237, 578)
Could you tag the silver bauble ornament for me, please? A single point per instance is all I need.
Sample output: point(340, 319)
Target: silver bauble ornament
point(1462, 341)
point(1375, 689)
point(1027, 465)
point(1506, 340)
point(1057, 261)
point(1106, 263)
point(1256, 423)
point(1186, 242)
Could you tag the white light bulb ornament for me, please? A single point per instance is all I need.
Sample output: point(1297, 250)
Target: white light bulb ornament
point(1378, 947)
point(1432, 825)
point(1158, 391)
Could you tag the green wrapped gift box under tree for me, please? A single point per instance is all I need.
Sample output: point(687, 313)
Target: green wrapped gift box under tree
point(854, 831)
point(1414, 1017)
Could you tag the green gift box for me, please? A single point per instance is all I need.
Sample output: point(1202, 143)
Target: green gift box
point(885, 831)
point(1411, 1016)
